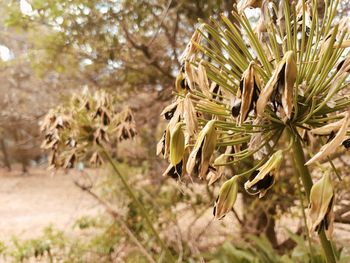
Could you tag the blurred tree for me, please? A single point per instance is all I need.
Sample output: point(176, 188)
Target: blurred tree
point(132, 47)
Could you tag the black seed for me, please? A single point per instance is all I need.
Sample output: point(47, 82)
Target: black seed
point(163, 142)
point(106, 119)
point(183, 84)
point(87, 106)
point(346, 143)
point(176, 171)
point(253, 175)
point(178, 168)
point(331, 136)
point(169, 114)
point(182, 68)
point(236, 109)
point(325, 223)
point(125, 134)
point(214, 210)
point(340, 65)
point(264, 183)
point(128, 118)
point(241, 84)
point(216, 89)
point(198, 159)
point(254, 97)
point(212, 168)
point(307, 31)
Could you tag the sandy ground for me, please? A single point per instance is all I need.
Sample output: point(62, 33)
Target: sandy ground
point(30, 203)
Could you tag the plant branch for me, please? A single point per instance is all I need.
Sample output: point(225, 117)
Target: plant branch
point(113, 212)
point(138, 204)
point(304, 174)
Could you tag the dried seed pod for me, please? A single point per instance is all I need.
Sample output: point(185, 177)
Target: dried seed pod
point(189, 75)
point(226, 198)
point(203, 82)
point(70, 161)
point(290, 76)
point(190, 117)
point(331, 146)
point(321, 206)
point(161, 144)
point(177, 144)
point(164, 143)
point(327, 129)
point(198, 161)
point(248, 85)
point(96, 159)
point(280, 86)
point(264, 178)
point(71, 142)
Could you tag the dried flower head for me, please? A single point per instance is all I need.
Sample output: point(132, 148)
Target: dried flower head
point(75, 131)
point(248, 87)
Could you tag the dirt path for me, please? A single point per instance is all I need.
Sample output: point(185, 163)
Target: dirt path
point(30, 203)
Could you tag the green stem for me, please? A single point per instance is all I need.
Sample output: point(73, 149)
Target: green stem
point(138, 204)
point(302, 170)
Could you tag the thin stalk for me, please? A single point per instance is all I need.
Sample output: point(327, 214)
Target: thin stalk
point(138, 204)
point(304, 217)
point(302, 170)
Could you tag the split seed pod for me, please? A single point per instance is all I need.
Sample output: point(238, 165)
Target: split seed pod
point(264, 178)
point(164, 143)
point(328, 129)
point(331, 147)
point(282, 81)
point(169, 110)
point(321, 206)
point(226, 198)
point(198, 161)
point(181, 85)
point(177, 144)
point(248, 84)
point(203, 82)
point(190, 117)
point(290, 76)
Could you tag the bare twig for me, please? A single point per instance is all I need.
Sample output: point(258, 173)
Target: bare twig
point(117, 216)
